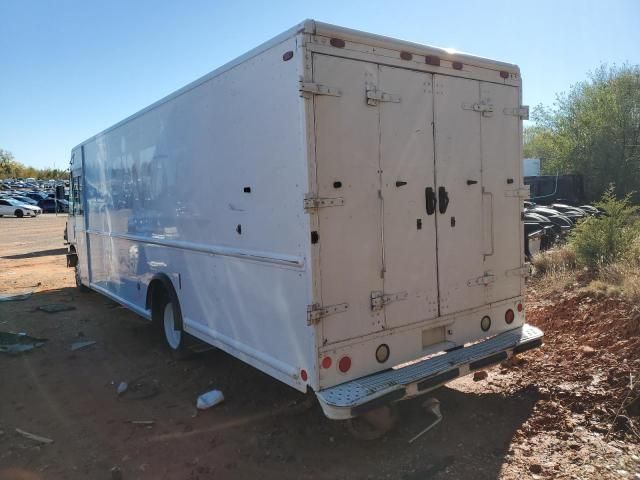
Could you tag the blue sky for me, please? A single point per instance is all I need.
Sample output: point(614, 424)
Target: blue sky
point(69, 69)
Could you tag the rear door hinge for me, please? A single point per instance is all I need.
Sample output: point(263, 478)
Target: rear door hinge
point(484, 108)
point(319, 202)
point(315, 312)
point(486, 279)
point(523, 271)
point(374, 96)
point(309, 88)
point(522, 192)
point(380, 299)
point(522, 112)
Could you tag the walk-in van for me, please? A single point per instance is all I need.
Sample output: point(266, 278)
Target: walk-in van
point(340, 210)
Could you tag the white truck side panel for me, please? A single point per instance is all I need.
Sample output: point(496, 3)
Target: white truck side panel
point(208, 187)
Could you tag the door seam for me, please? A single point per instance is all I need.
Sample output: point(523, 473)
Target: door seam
point(435, 183)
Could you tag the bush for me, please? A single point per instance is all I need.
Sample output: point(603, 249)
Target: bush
point(558, 260)
point(601, 241)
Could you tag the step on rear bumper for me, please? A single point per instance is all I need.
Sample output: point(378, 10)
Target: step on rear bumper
point(358, 396)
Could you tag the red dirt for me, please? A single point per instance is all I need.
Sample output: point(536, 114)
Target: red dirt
point(544, 416)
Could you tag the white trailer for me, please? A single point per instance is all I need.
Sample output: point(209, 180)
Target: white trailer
point(338, 209)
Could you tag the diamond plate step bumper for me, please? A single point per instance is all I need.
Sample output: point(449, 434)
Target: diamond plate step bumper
point(358, 396)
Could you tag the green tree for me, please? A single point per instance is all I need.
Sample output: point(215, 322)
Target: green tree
point(600, 241)
point(11, 168)
point(8, 164)
point(594, 130)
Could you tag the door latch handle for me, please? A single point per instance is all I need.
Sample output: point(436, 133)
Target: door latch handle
point(430, 199)
point(443, 198)
point(471, 182)
point(400, 183)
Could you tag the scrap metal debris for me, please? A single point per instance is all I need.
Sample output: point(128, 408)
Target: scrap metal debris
point(36, 438)
point(143, 422)
point(56, 307)
point(5, 297)
point(116, 473)
point(141, 389)
point(122, 388)
point(14, 343)
point(432, 405)
point(79, 345)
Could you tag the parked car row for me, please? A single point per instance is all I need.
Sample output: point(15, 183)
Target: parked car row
point(548, 225)
point(27, 203)
point(11, 206)
point(31, 183)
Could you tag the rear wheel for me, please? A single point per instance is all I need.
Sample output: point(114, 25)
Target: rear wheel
point(79, 284)
point(171, 321)
point(374, 424)
point(19, 213)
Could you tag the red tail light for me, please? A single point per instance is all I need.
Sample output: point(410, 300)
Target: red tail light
point(509, 316)
point(326, 362)
point(344, 364)
point(303, 375)
point(520, 307)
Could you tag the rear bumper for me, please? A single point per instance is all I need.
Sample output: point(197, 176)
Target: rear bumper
point(363, 394)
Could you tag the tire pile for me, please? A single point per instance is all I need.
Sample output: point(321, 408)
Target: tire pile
point(549, 225)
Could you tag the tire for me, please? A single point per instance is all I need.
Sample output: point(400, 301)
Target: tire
point(374, 424)
point(82, 288)
point(19, 213)
point(170, 318)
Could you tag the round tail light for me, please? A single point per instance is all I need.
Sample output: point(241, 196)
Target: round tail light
point(303, 375)
point(485, 323)
point(509, 316)
point(344, 364)
point(326, 362)
point(382, 353)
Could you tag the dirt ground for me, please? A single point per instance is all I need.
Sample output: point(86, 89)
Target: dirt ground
point(554, 413)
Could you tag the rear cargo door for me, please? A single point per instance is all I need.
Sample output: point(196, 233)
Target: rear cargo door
point(477, 156)
point(463, 239)
point(407, 169)
point(501, 174)
point(348, 164)
point(375, 155)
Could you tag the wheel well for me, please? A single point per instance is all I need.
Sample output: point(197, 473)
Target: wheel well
point(72, 257)
point(159, 290)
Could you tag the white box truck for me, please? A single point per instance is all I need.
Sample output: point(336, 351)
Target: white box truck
point(340, 210)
